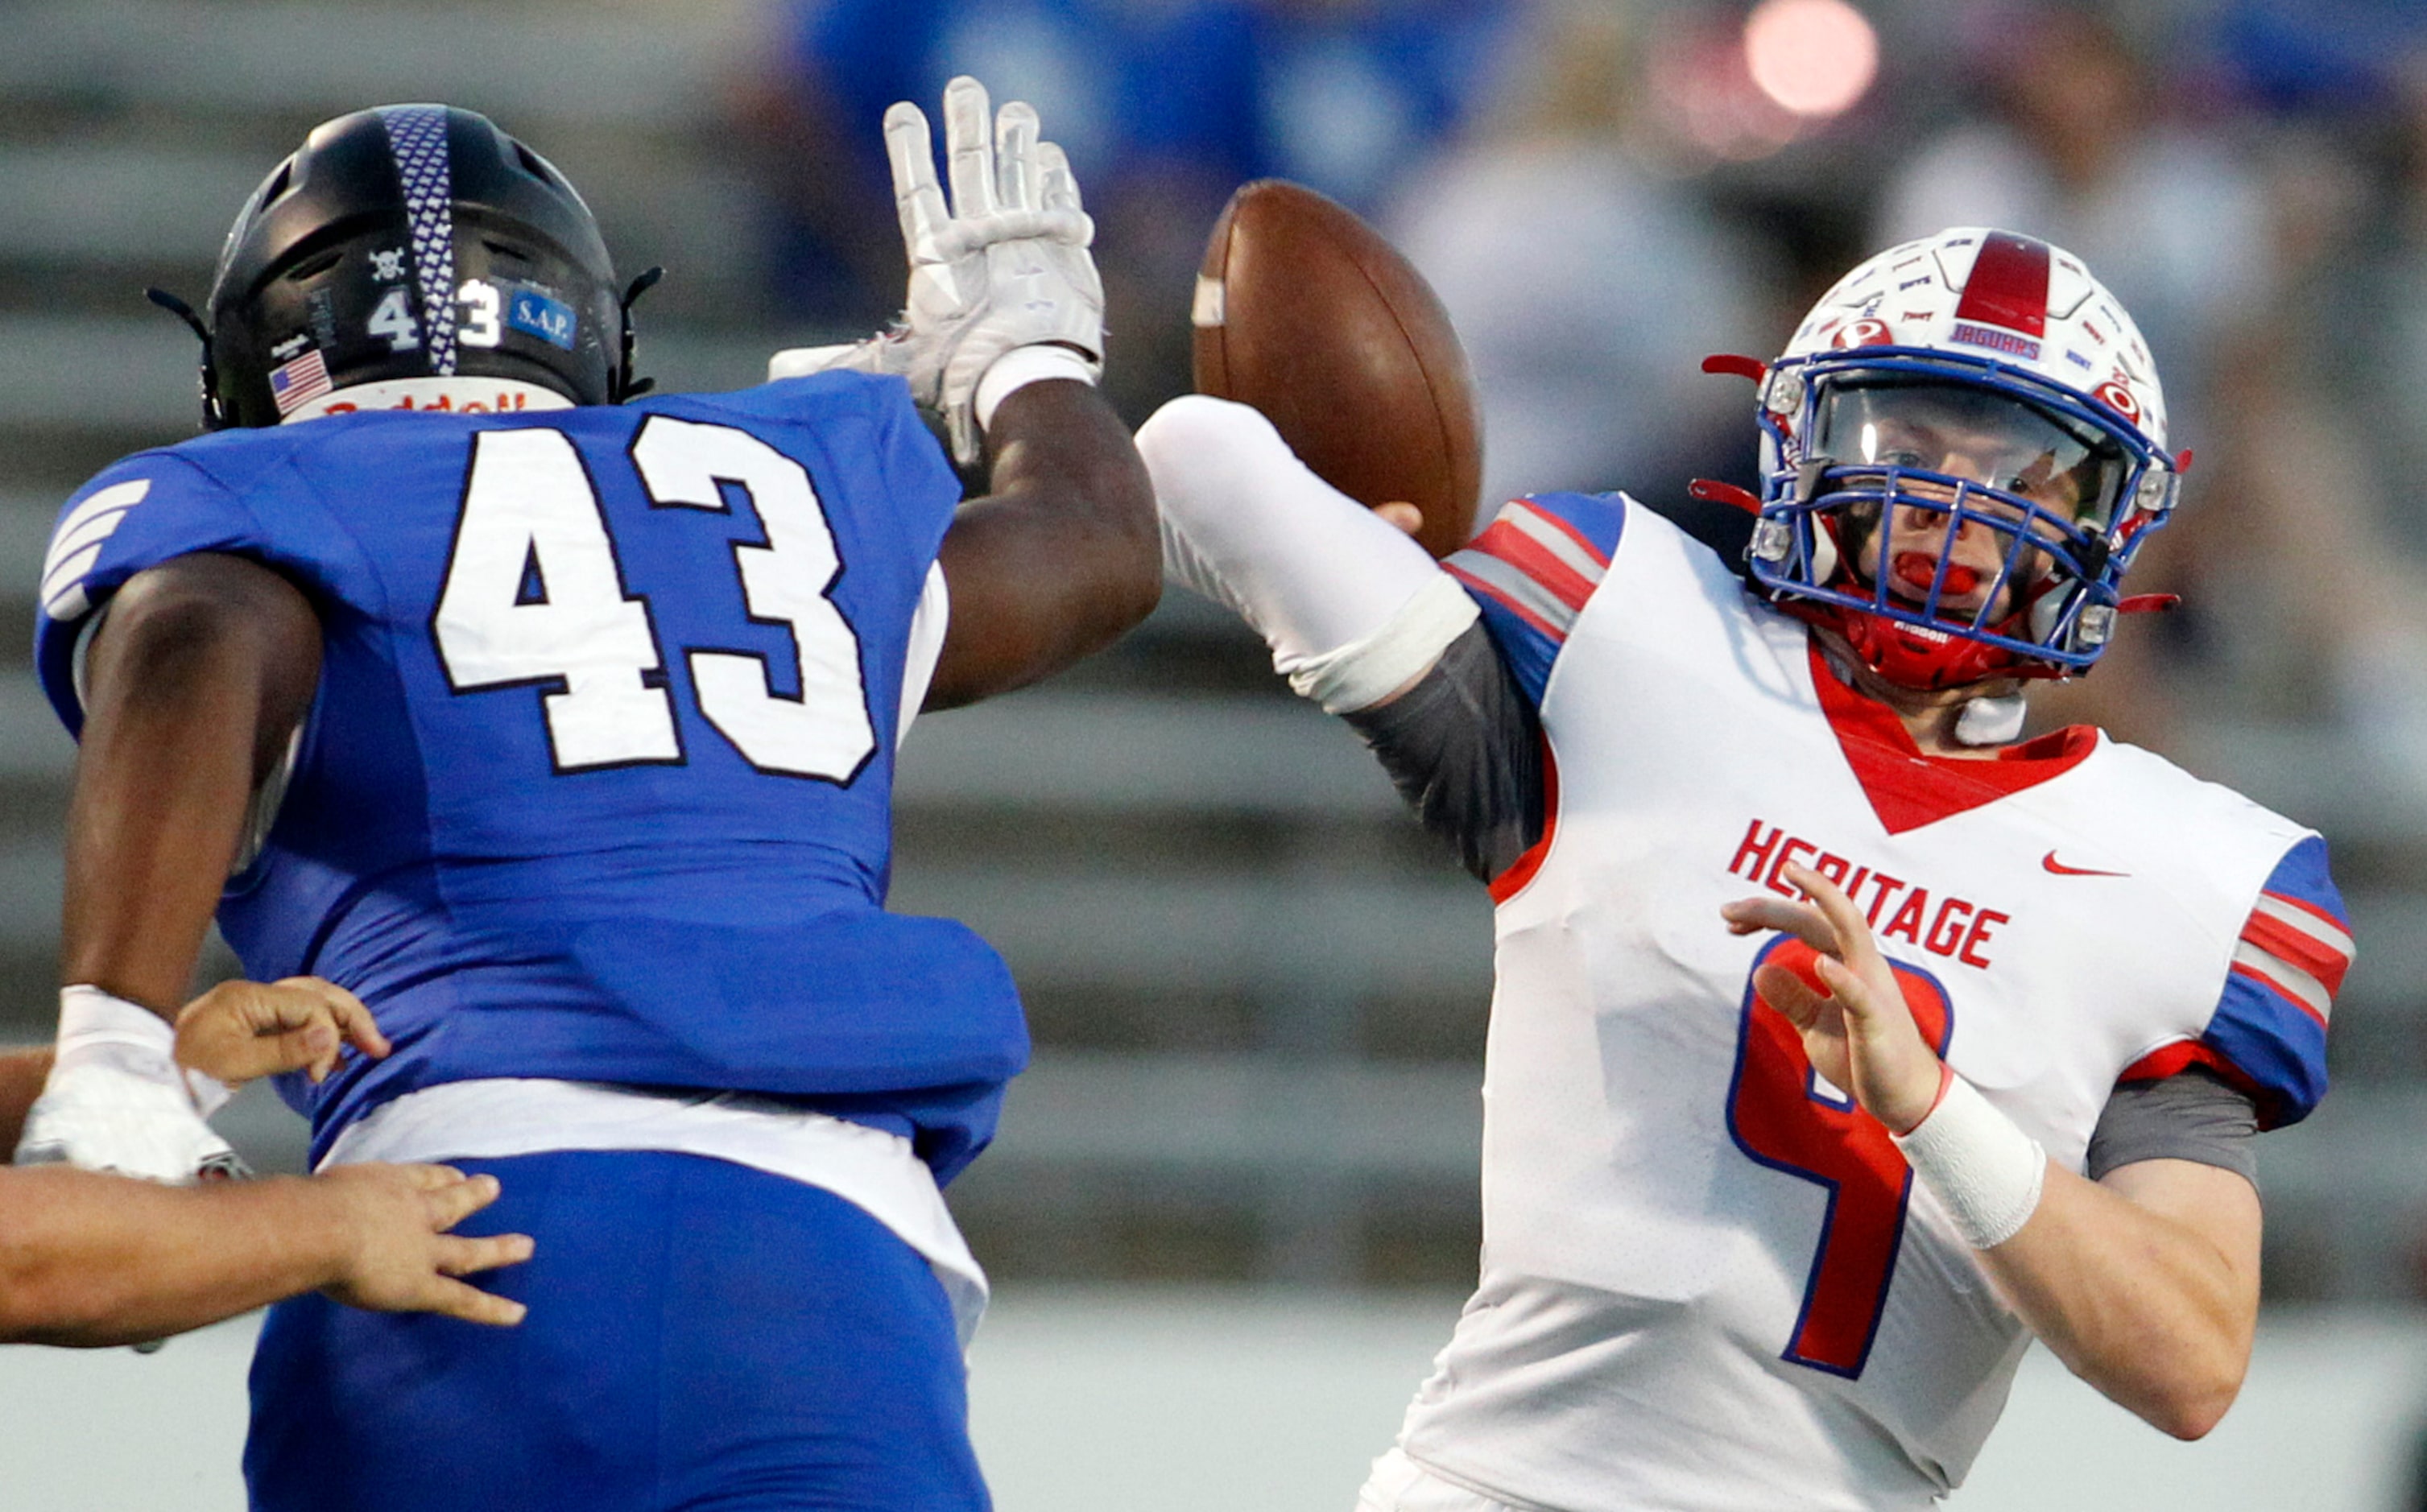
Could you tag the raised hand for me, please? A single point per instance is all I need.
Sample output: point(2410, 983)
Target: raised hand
point(1860, 1034)
point(1004, 266)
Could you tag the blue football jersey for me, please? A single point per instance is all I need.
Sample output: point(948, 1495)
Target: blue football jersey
point(598, 781)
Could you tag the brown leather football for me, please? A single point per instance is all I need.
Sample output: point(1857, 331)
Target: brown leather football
point(1305, 313)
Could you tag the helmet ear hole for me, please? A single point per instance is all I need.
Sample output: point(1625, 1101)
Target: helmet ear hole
point(2046, 610)
point(312, 268)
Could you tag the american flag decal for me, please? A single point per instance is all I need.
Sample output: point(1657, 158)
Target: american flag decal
point(300, 381)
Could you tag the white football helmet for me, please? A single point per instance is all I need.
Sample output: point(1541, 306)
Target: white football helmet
point(1962, 450)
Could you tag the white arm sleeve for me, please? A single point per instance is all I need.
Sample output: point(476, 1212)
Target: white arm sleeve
point(1352, 609)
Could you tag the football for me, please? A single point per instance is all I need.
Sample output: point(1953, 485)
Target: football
point(1305, 312)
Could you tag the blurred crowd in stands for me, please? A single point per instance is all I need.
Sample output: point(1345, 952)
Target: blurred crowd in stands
point(1603, 191)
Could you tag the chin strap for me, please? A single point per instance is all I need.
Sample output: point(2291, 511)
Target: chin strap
point(1914, 656)
point(214, 417)
point(626, 386)
point(1995, 720)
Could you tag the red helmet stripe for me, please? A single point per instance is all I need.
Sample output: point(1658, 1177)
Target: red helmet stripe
point(2009, 286)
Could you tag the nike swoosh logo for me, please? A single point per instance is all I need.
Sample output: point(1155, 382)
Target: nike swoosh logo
point(2057, 867)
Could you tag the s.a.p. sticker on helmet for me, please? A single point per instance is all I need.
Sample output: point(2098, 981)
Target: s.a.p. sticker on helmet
point(535, 314)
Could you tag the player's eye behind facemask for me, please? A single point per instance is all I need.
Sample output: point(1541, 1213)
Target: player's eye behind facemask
point(1923, 430)
point(411, 241)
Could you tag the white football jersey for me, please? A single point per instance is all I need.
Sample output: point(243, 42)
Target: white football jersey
point(1708, 1281)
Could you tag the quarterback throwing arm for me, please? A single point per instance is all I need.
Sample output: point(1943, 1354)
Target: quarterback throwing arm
point(1702, 1225)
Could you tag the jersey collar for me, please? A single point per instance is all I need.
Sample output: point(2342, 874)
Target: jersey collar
point(1906, 787)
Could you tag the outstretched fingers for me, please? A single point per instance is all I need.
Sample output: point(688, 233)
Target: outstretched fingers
point(1750, 916)
point(1016, 172)
point(450, 1195)
point(969, 147)
point(917, 197)
point(459, 1256)
point(1058, 190)
point(459, 1299)
point(345, 1010)
point(1851, 931)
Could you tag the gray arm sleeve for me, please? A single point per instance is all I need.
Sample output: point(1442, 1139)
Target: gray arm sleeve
point(2191, 1115)
point(1464, 748)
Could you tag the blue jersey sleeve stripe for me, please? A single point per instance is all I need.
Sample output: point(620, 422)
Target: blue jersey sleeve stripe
point(1596, 520)
point(2270, 1040)
point(2270, 1020)
point(2302, 874)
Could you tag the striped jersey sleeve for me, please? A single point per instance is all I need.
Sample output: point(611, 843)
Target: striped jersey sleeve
point(1531, 571)
point(2268, 1032)
point(138, 514)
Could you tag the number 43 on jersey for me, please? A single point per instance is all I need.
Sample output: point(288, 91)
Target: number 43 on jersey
point(531, 517)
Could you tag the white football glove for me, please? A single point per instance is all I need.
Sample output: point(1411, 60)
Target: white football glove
point(885, 352)
point(117, 1100)
point(1005, 267)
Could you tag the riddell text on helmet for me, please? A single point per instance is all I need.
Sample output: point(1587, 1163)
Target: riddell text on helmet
point(1945, 925)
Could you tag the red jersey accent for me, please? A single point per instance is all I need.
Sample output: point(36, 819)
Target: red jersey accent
point(2180, 1056)
point(2290, 992)
point(1909, 789)
point(2009, 286)
point(2059, 869)
point(1477, 585)
point(2295, 949)
point(1521, 872)
point(1504, 540)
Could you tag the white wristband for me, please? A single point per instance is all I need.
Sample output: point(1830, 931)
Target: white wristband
point(1024, 366)
point(95, 1025)
point(1983, 1169)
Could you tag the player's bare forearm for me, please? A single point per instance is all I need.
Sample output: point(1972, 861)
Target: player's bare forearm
point(2145, 1285)
point(1060, 559)
point(193, 685)
point(87, 1259)
point(20, 1081)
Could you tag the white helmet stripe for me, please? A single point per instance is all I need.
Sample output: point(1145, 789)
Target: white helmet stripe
point(417, 137)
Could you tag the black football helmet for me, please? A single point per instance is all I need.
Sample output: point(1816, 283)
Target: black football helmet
point(411, 241)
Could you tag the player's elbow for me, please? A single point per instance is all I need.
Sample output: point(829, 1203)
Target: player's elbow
point(2191, 1406)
